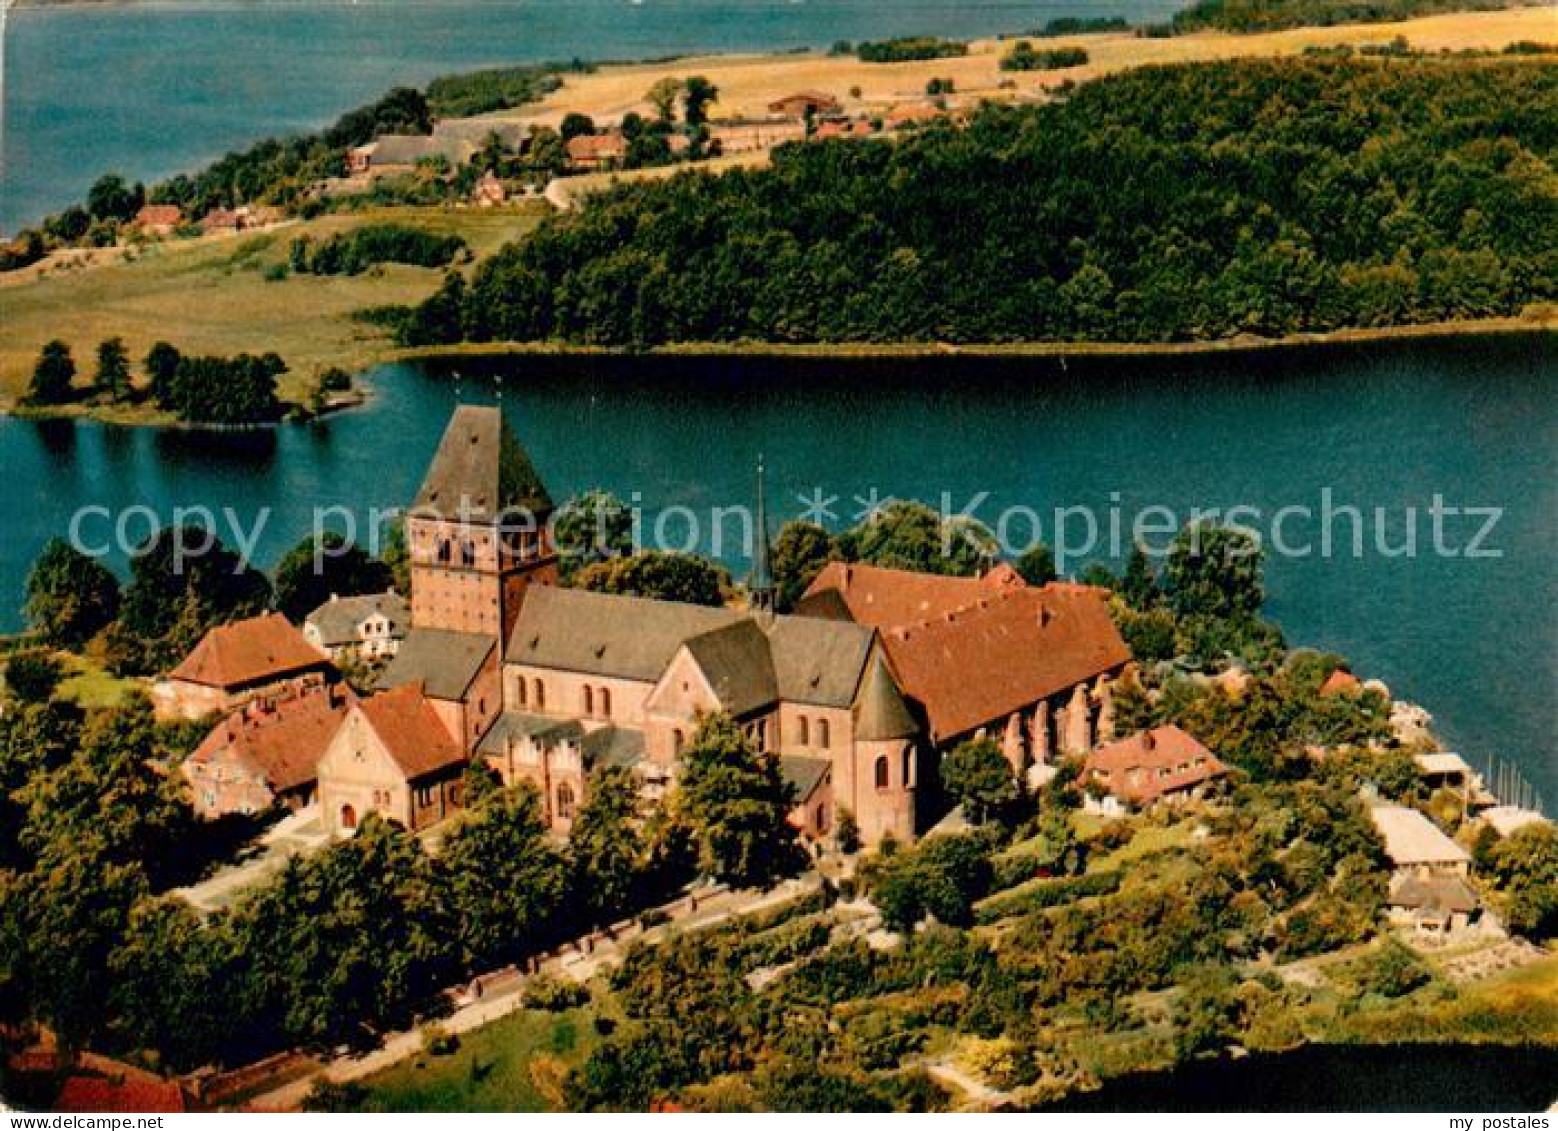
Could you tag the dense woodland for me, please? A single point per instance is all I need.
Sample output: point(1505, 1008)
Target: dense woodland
point(1273, 15)
point(1164, 204)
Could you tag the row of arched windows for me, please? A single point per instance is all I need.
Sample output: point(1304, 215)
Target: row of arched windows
point(597, 701)
point(530, 693)
point(820, 730)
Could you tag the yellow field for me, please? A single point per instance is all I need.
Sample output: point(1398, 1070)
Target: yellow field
point(748, 83)
point(212, 295)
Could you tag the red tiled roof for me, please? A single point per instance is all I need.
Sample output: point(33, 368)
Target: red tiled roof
point(158, 214)
point(1149, 765)
point(284, 740)
point(95, 1094)
point(597, 147)
point(889, 598)
point(250, 651)
point(1339, 682)
point(973, 650)
point(412, 733)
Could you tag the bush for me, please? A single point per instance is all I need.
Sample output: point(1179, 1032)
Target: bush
point(1040, 894)
point(1023, 57)
point(553, 994)
point(438, 1041)
point(909, 48)
point(33, 676)
point(352, 253)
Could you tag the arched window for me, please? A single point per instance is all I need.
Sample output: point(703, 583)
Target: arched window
point(443, 549)
point(565, 802)
point(881, 772)
point(908, 767)
point(521, 690)
point(540, 689)
point(677, 739)
point(605, 702)
point(348, 817)
point(805, 731)
point(589, 700)
point(824, 738)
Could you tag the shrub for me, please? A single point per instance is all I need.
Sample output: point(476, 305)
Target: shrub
point(438, 1041)
point(1040, 894)
point(553, 994)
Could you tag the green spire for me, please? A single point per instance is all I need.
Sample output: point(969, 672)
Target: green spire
point(761, 582)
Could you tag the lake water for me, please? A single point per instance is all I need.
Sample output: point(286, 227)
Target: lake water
point(1475, 422)
point(153, 89)
point(1344, 1078)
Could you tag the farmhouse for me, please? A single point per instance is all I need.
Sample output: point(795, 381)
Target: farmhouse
point(805, 104)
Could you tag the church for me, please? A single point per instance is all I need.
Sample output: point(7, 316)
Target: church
point(547, 684)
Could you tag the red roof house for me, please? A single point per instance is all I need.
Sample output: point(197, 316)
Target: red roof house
point(265, 752)
point(1153, 765)
point(236, 662)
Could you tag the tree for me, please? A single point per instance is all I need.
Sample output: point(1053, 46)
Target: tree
point(1206, 1012)
point(1139, 584)
point(161, 366)
point(697, 94)
point(113, 369)
point(33, 676)
point(942, 876)
point(847, 833)
point(663, 95)
point(575, 125)
point(912, 536)
point(505, 882)
point(111, 199)
point(322, 567)
point(1215, 571)
point(735, 805)
point(70, 596)
point(1524, 870)
point(663, 576)
point(605, 846)
point(1037, 565)
point(591, 528)
point(52, 375)
point(182, 581)
point(978, 775)
point(797, 557)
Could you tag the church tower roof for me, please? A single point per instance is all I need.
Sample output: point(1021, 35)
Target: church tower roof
point(882, 714)
point(480, 471)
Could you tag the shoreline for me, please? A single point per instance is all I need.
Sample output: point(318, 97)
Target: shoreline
point(1542, 322)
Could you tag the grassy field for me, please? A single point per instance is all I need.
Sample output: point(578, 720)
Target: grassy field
point(748, 83)
point(90, 685)
point(220, 295)
point(510, 1065)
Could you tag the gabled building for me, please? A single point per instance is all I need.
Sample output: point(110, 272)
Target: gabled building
point(1415, 845)
point(265, 753)
point(391, 755)
point(1164, 764)
point(260, 657)
point(805, 104)
point(1030, 666)
point(370, 626)
point(458, 674)
point(648, 670)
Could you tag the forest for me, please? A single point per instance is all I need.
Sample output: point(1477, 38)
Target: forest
point(1181, 203)
point(1273, 15)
